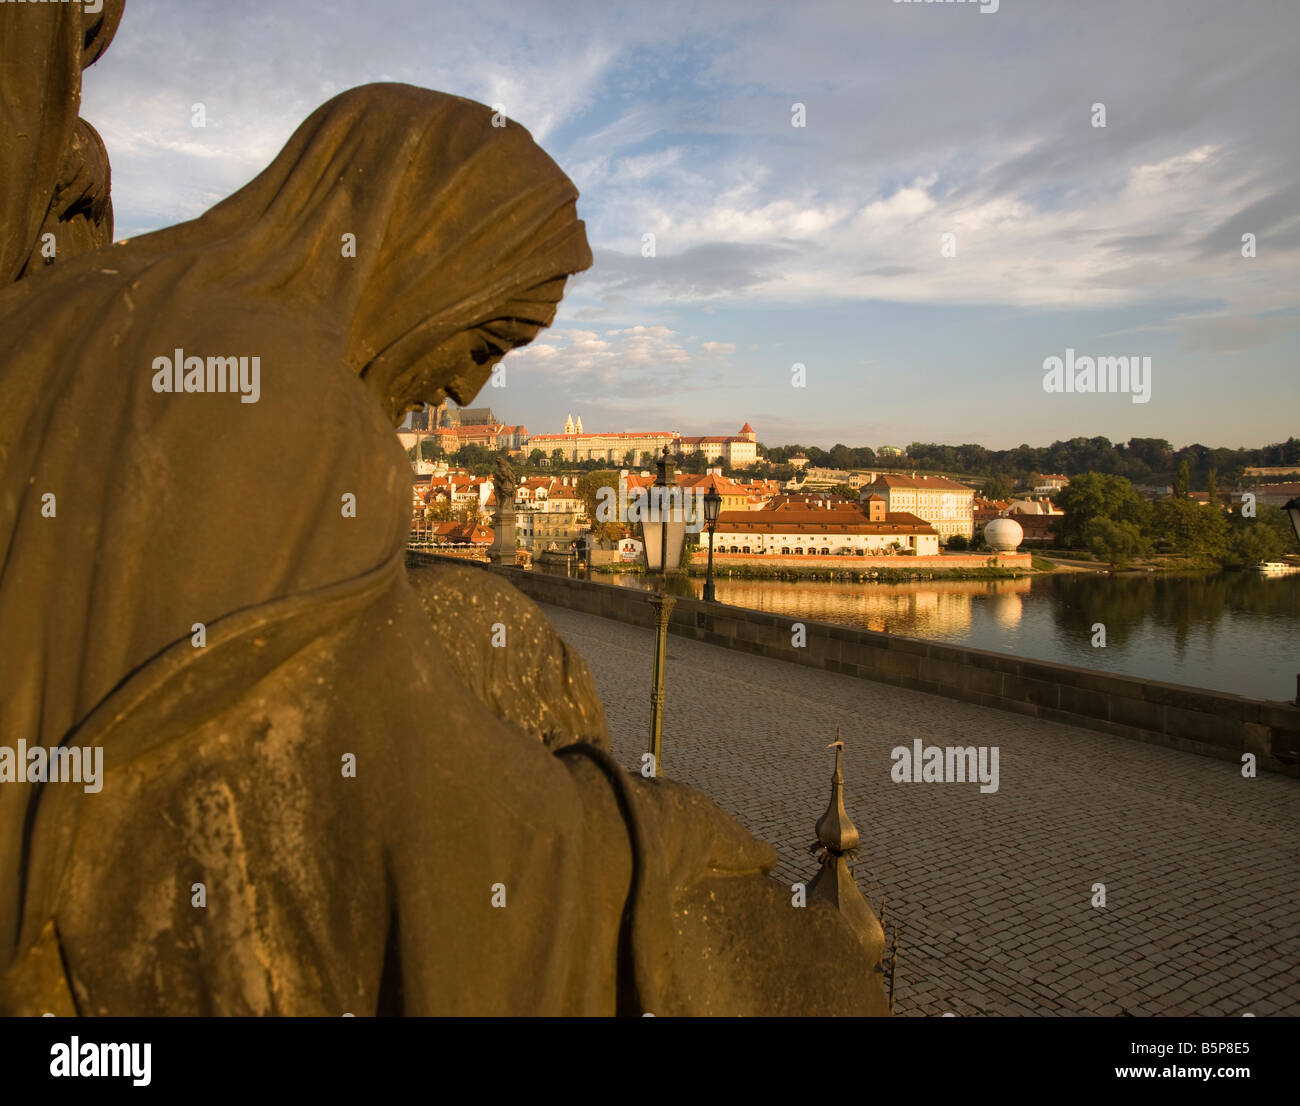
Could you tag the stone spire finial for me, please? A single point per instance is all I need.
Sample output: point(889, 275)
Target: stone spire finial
point(835, 830)
point(836, 844)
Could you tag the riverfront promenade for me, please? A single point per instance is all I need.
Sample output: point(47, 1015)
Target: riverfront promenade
point(993, 892)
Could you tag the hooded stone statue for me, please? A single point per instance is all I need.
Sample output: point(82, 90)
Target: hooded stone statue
point(53, 165)
point(302, 809)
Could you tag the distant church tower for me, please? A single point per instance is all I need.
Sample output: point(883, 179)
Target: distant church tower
point(579, 429)
point(568, 424)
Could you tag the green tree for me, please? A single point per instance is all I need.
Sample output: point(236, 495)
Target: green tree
point(536, 457)
point(997, 486)
point(438, 511)
point(841, 457)
point(1116, 542)
point(1097, 495)
point(468, 513)
point(1191, 528)
point(1150, 455)
point(474, 457)
point(588, 490)
point(557, 457)
point(1212, 487)
point(1183, 481)
point(1268, 537)
point(864, 457)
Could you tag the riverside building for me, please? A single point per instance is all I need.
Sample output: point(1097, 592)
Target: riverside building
point(945, 504)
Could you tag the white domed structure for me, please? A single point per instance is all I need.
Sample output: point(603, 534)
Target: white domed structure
point(1003, 535)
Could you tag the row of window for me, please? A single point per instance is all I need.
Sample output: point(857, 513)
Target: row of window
point(798, 550)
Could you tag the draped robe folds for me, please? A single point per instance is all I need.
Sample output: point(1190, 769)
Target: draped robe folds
point(231, 863)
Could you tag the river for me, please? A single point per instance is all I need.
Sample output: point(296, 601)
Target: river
point(1232, 631)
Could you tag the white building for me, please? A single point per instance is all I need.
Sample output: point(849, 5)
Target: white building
point(945, 504)
point(739, 451)
point(794, 532)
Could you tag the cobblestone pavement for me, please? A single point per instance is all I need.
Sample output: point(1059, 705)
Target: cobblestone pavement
point(993, 892)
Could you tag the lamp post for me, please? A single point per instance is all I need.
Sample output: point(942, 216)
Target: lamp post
point(1292, 509)
point(712, 504)
point(662, 604)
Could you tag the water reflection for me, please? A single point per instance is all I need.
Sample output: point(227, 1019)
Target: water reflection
point(1232, 631)
point(928, 608)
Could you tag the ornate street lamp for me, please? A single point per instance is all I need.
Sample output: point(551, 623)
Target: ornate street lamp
point(1293, 512)
point(663, 537)
point(712, 504)
point(663, 530)
point(1292, 508)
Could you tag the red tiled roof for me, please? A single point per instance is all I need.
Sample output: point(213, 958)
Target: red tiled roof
point(634, 480)
point(785, 504)
point(458, 532)
point(705, 481)
point(820, 522)
point(899, 480)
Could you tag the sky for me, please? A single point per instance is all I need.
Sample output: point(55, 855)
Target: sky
point(823, 244)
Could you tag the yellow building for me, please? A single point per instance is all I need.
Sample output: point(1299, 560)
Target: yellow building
point(549, 512)
point(579, 446)
point(945, 504)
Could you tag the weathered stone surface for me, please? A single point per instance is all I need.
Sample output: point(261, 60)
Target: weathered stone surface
point(532, 678)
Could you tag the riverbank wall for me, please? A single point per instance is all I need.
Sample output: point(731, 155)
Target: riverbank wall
point(945, 562)
point(1196, 720)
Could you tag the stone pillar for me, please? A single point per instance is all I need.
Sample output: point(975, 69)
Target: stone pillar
point(503, 541)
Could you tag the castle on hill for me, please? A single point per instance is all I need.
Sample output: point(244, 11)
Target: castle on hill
point(639, 448)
